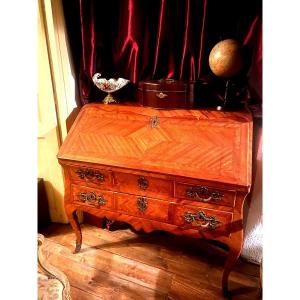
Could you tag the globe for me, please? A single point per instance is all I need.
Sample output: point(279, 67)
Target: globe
point(226, 59)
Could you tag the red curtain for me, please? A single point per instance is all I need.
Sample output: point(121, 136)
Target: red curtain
point(154, 39)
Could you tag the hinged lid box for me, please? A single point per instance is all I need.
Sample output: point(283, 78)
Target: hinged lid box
point(167, 93)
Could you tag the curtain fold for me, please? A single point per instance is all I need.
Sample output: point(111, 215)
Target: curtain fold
point(154, 39)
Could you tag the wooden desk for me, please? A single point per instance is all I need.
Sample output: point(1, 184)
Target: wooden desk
point(183, 171)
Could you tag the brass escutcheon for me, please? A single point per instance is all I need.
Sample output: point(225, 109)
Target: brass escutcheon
point(154, 121)
point(142, 204)
point(143, 183)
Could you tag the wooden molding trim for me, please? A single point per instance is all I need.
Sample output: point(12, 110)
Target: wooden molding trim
point(60, 62)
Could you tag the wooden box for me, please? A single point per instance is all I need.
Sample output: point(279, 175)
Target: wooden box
point(167, 93)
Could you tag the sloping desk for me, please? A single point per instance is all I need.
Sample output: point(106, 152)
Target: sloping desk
point(183, 171)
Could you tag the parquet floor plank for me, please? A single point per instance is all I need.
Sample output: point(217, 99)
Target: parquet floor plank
point(116, 265)
point(78, 294)
point(142, 248)
point(181, 290)
point(125, 265)
point(97, 282)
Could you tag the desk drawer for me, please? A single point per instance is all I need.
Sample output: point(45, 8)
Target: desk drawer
point(143, 207)
point(92, 177)
point(203, 219)
point(143, 185)
point(203, 193)
point(92, 197)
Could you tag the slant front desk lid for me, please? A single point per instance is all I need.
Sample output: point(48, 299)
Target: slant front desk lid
point(200, 144)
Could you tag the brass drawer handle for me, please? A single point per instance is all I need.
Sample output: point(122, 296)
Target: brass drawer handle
point(209, 222)
point(161, 95)
point(200, 191)
point(92, 197)
point(89, 174)
point(142, 204)
point(143, 183)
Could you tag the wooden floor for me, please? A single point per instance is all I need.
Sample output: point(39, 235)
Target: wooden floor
point(126, 265)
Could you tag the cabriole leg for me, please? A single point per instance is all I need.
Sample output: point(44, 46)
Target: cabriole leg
point(233, 255)
point(72, 216)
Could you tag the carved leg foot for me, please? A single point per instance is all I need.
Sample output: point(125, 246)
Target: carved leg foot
point(72, 216)
point(77, 247)
point(232, 257)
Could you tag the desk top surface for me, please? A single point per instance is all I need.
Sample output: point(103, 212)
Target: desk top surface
point(199, 144)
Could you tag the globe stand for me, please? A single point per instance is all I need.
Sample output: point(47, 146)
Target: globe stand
point(226, 92)
point(231, 101)
point(224, 106)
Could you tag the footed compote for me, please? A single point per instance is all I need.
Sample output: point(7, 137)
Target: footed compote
point(109, 86)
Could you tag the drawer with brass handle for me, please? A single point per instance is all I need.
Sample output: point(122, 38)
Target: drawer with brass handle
point(91, 177)
point(92, 197)
point(202, 219)
point(142, 206)
point(203, 193)
point(143, 185)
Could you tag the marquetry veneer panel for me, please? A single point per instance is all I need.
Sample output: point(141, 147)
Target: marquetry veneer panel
point(207, 145)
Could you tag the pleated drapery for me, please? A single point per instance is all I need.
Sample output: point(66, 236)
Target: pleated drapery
point(154, 39)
